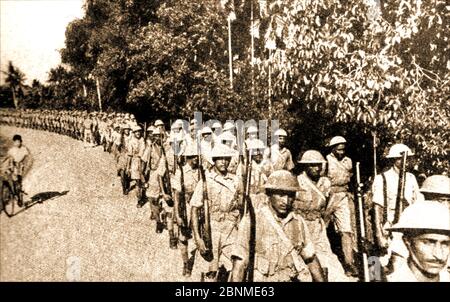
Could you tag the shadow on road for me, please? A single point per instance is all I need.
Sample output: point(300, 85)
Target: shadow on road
point(36, 199)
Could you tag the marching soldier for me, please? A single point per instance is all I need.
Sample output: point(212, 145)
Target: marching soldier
point(135, 151)
point(425, 229)
point(206, 146)
point(153, 158)
point(283, 249)
point(385, 189)
point(311, 202)
point(341, 207)
point(278, 156)
point(224, 206)
point(184, 182)
point(122, 160)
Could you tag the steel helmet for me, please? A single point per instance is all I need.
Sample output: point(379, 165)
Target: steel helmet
point(178, 124)
point(159, 123)
point(216, 125)
point(255, 144)
point(280, 132)
point(191, 150)
point(282, 180)
point(396, 151)
point(436, 184)
point(221, 150)
point(337, 140)
point(156, 131)
point(424, 215)
point(252, 129)
point(226, 136)
point(206, 130)
point(312, 157)
point(126, 126)
point(150, 128)
point(136, 128)
point(228, 126)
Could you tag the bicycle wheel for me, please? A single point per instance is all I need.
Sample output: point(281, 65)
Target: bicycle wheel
point(8, 199)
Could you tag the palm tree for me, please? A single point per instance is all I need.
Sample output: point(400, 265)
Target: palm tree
point(15, 80)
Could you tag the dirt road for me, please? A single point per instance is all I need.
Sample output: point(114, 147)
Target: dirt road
point(88, 231)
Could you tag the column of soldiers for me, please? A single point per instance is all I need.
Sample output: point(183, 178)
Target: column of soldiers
point(237, 212)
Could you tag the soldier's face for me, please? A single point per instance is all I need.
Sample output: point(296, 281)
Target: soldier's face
point(126, 132)
point(281, 202)
point(339, 151)
point(192, 161)
point(137, 134)
point(314, 171)
point(282, 141)
point(222, 164)
point(429, 252)
point(17, 143)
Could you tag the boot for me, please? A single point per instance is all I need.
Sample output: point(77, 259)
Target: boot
point(187, 271)
point(173, 240)
point(159, 227)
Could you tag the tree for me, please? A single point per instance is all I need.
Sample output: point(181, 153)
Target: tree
point(15, 80)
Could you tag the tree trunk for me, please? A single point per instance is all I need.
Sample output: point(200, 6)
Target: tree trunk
point(14, 97)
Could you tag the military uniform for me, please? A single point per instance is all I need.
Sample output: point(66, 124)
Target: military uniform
point(310, 203)
point(224, 205)
point(278, 159)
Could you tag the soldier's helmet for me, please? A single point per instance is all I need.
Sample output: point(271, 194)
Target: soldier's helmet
point(216, 125)
point(252, 129)
point(159, 123)
point(255, 146)
point(136, 128)
point(282, 180)
point(226, 137)
point(436, 185)
point(156, 131)
point(311, 157)
point(206, 130)
point(337, 140)
point(228, 126)
point(191, 150)
point(424, 216)
point(221, 150)
point(396, 151)
point(150, 129)
point(280, 132)
point(178, 124)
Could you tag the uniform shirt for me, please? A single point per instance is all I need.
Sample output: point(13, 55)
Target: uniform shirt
point(273, 259)
point(404, 274)
point(135, 147)
point(311, 198)
point(339, 171)
point(190, 177)
point(18, 154)
point(412, 192)
point(279, 159)
point(222, 195)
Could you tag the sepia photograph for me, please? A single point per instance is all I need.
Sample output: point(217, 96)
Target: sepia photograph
point(229, 141)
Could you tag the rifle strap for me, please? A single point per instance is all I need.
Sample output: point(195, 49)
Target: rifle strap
point(385, 210)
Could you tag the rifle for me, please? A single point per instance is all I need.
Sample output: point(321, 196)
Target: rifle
point(167, 188)
point(181, 204)
point(204, 216)
point(400, 200)
point(362, 227)
point(250, 211)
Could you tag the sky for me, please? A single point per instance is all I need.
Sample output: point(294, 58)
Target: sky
point(32, 32)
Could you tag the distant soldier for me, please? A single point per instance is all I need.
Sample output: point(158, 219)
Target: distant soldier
point(184, 182)
point(311, 202)
point(123, 158)
point(340, 208)
point(135, 151)
point(425, 229)
point(153, 157)
point(385, 188)
point(206, 146)
point(216, 131)
point(160, 125)
point(224, 208)
point(284, 251)
point(278, 156)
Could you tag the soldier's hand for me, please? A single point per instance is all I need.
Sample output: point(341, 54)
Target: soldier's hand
point(180, 221)
point(201, 246)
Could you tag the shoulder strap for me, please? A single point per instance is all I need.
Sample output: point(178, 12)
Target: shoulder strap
point(385, 210)
point(282, 235)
